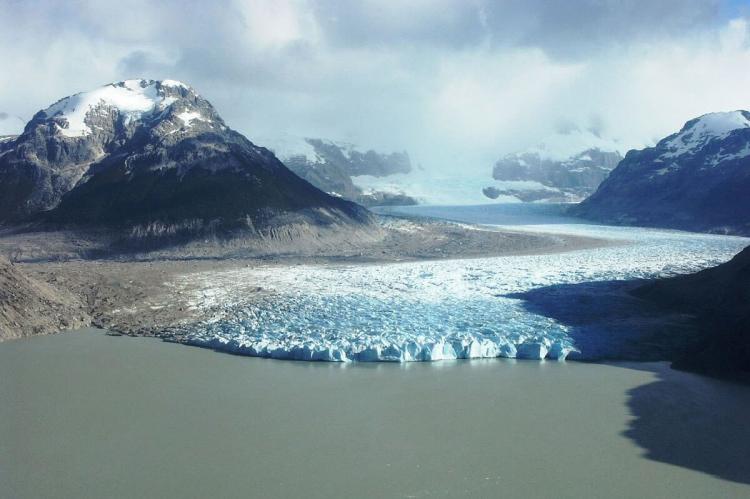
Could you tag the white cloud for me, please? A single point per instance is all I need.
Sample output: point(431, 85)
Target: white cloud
point(273, 24)
point(485, 96)
point(456, 83)
point(647, 91)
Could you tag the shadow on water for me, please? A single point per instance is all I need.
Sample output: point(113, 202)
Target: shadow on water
point(694, 422)
point(683, 419)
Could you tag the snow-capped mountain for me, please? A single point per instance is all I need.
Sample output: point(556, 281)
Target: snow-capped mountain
point(145, 152)
point(565, 167)
point(331, 166)
point(695, 179)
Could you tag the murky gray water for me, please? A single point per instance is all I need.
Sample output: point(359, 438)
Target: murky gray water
point(85, 415)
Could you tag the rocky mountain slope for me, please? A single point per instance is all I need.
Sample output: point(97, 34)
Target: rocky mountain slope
point(330, 166)
point(720, 300)
point(155, 158)
point(29, 307)
point(565, 167)
point(696, 179)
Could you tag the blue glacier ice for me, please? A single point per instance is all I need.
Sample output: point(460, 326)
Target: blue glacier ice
point(436, 310)
point(347, 327)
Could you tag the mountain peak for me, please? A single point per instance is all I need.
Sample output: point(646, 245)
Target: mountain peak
point(695, 179)
point(563, 167)
point(149, 154)
point(719, 123)
point(698, 132)
point(132, 100)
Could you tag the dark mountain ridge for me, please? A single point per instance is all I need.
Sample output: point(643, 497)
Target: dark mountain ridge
point(696, 179)
point(719, 298)
point(153, 156)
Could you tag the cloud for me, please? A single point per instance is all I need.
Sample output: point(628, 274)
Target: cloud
point(455, 82)
point(560, 28)
point(578, 29)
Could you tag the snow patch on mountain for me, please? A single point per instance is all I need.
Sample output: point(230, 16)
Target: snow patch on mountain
point(694, 179)
point(291, 146)
point(174, 83)
point(187, 117)
point(723, 156)
point(568, 167)
point(133, 98)
point(700, 131)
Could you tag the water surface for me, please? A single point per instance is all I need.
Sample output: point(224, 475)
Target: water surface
point(84, 415)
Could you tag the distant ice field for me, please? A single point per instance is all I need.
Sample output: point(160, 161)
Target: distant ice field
point(436, 310)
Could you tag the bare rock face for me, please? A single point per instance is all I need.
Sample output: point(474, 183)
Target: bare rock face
point(29, 307)
point(330, 166)
point(143, 153)
point(696, 179)
point(563, 179)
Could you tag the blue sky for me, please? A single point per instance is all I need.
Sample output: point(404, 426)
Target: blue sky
point(731, 9)
point(454, 82)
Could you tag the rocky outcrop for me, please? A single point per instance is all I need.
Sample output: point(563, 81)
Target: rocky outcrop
point(153, 157)
point(719, 299)
point(563, 179)
point(564, 167)
point(355, 162)
point(696, 179)
point(330, 166)
point(29, 307)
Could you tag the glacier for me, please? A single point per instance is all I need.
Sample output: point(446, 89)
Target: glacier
point(430, 310)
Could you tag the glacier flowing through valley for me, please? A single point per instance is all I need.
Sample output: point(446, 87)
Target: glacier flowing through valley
point(432, 310)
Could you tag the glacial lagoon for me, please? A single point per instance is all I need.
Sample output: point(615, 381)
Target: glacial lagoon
point(85, 415)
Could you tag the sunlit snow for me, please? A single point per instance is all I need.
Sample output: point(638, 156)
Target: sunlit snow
point(712, 126)
point(187, 117)
point(131, 97)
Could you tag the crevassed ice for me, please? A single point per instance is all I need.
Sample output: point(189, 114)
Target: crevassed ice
point(340, 328)
point(428, 310)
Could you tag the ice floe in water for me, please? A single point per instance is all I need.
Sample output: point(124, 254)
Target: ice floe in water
point(427, 311)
